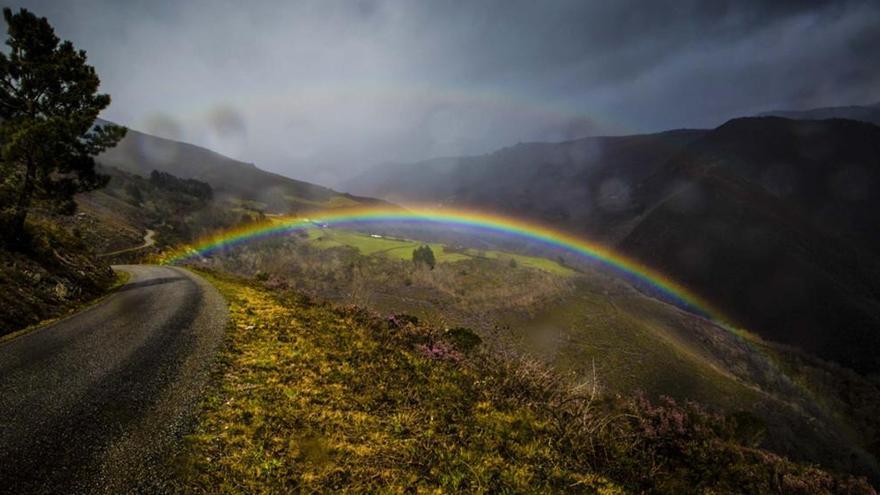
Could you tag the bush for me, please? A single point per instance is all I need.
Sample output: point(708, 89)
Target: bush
point(462, 338)
point(424, 255)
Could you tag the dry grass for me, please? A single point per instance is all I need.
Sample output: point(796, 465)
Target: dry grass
point(315, 398)
point(469, 291)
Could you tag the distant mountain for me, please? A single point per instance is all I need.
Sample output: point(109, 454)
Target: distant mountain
point(584, 185)
point(773, 220)
point(864, 113)
point(141, 153)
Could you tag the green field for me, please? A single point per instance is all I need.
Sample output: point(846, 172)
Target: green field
point(397, 248)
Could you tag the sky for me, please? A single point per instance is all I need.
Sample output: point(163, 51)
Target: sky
point(322, 90)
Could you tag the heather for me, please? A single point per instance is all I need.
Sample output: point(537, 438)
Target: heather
point(313, 397)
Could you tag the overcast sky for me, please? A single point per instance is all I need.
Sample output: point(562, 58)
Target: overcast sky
point(322, 89)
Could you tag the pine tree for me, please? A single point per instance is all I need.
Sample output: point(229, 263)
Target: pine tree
point(48, 106)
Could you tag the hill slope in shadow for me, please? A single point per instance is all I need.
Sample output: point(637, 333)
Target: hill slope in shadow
point(773, 220)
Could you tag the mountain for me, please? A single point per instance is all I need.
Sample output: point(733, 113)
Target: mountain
point(141, 153)
point(582, 185)
point(773, 220)
point(864, 113)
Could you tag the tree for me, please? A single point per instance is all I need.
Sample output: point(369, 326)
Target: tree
point(423, 254)
point(48, 106)
point(135, 193)
point(192, 187)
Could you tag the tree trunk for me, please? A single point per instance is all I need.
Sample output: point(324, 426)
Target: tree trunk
point(19, 215)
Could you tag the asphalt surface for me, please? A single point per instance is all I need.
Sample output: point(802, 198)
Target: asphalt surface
point(97, 403)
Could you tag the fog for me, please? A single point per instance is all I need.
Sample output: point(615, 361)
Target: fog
point(321, 90)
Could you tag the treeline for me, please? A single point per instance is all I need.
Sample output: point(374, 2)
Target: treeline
point(191, 187)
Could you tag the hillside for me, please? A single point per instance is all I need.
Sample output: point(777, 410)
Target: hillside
point(779, 210)
point(584, 324)
point(864, 113)
point(772, 219)
point(582, 185)
point(232, 180)
point(68, 266)
point(314, 397)
point(56, 274)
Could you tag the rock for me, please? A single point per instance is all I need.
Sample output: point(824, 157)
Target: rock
point(61, 290)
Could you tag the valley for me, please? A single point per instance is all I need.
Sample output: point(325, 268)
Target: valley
point(578, 319)
point(432, 247)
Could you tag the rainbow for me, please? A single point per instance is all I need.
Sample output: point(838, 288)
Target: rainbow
point(498, 224)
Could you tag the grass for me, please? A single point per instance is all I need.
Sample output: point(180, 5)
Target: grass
point(632, 348)
point(314, 398)
point(571, 323)
point(402, 249)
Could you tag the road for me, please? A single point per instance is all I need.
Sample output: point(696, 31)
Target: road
point(149, 240)
point(95, 403)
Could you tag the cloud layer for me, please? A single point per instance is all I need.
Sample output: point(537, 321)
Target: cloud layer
point(322, 89)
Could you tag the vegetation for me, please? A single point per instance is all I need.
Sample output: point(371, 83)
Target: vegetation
point(316, 398)
point(190, 187)
point(424, 256)
point(461, 289)
point(577, 323)
point(57, 274)
point(178, 210)
point(48, 105)
point(397, 248)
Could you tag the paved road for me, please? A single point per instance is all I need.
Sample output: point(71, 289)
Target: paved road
point(94, 403)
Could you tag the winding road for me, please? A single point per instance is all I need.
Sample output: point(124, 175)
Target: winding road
point(95, 403)
point(149, 240)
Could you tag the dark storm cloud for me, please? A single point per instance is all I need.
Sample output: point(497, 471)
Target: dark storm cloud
point(321, 89)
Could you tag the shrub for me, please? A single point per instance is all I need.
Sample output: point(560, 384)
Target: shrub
point(462, 338)
point(424, 255)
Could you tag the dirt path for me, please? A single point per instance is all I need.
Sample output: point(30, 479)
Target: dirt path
point(149, 240)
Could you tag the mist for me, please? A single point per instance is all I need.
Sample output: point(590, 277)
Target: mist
point(321, 90)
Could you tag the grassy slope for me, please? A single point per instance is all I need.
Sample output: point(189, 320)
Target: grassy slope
point(310, 399)
point(402, 249)
point(627, 336)
point(313, 398)
point(576, 323)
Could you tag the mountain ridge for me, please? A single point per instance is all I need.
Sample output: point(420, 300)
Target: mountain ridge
point(866, 113)
point(141, 153)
